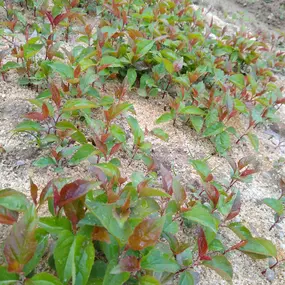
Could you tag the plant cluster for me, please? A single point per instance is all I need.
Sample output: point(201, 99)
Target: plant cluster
point(107, 228)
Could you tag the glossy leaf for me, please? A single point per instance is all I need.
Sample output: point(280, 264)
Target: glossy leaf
point(274, 204)
point(7, 216)
point(160, 134)
point(43, 279)
point(152, 192)
point(82, 153)
point(148, 280)
point(6, 277)
point(78, 104)
point(238, 80)
point(186, 278)
point(13, 200)
point(235, 207)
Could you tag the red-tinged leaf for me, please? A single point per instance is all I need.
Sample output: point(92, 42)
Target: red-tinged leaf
point(245, 161)
point(146, 233)
point(74, 191)
point(209, 178)
point(35, 116)
point(179, 192)
point(50, 17)
point(55, 95)
point(202, 244)
point(77, 71)
point(34, 191)
point(8, 217)
point(100, 145)
point(115, 148)
point(100, 234)
point(237, 246)
point(56, 199)
point(44, 192)
point(212, 193)
point(129, 264)
point(99, 174)
point(45, 111)
point(74, 3)
point(21, 243)
point(75, 211)
point(282, 186)
point(111, 195)
point(247, 172)
point(125, 17)
point(166, 180)
point(60, 18)
point(235, 208)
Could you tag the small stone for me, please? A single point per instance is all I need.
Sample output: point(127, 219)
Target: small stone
point(270, 275)
point(271, 262)
point(20, 163)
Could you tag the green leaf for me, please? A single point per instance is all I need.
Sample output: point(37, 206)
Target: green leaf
point(118, 133)
point(160, 134)
point(82, 153)
point(111, 61)
point(31, 49)
point(201, 167)
point(7, 277)
point(159, 261)
point(78, 104)
point(144, 46)
point(74, 257)
point(65, 125)
point(168, 65)
point(222, 266)
point(44, 162)
point(131, 76)
point(43, 279)
point(10, 65)
point(240, 106)
point(253, 140)
point(114, 279)
point(259, 248)
point(191, 110)
point(184, 258)
point(214, 129)
point(186, 278)
point(55, 225)
point(148, 280)
point(240, 230)
point(164, 118)
point(223, 142)
point(238, 80)
point(63, 69)
point(202, 216)
point(27, 126)
point(274, 204)
point(197, 123)
point(153, 192)
point(14, 200)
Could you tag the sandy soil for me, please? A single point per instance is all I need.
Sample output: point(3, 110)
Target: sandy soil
point(16, 167)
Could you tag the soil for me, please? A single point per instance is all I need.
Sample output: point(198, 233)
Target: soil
point(184, 144)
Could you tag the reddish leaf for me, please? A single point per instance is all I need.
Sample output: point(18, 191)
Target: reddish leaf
point(35, 116)
point(73, 191)
point(8, 217)
point(77, 71)
point(166, 180)
point(101, 146)
point(237, 246)
point(55, 95)
point(245, 161)
point(50, 17)
point(115, 148)
point(45, 111)
point(202, 246)
point(213, 193)
point(99, 174)
point(34, 191)
point(179, 192)
point(74, 3)
point(100, 234)
point(209, 178)
point(247, 172)
point(21, 244)
point(129, 264)
point(44, 192)
point(75, 211)
point(282, 186)
point(56, 198)
point(111, 195)
point(60, 18)
point(146, 233)
point(235, 208)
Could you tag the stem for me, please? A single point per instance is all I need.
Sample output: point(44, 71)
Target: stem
point(276, 222)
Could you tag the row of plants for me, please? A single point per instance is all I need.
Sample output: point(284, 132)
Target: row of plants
point(108, 228)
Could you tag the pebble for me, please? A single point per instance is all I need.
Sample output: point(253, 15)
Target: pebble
point(270, 275)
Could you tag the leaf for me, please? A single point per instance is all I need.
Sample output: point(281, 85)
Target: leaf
point(118, 133)
point(178, 191)
point(82, 153)
point(79, 137)
point(184, 258)
point(235, 208)
point(238, 80)
point(44, 162)
point(7, 277)
point(253, 140)
point(55, 95)
point(21, 243)
point(100, 234)
point(74, 257)
point(131, 76)
point(63, 69)
point(65, 125)
point(212, 193)
point(168, 65)
point(13, 200)
point(240, 230)
point(153, 192)
point(186, 278)
point(274, 204)
point(43, 279)
point(118, 279)
point(197, 123)
point(27, 126)
point(10, 65)
point(222, 266)
point(159, 261)
point(146, 233)
point(127, 264)
point(202, 246)
point(223, 142)
point(78, 104)
point(202, 216)
point(160, 134)
point(214, 129)
point(34, 191)
point(202, 168)
point(191, 110)
point(148, 280)
point(259, 248)
point(55, 225)
point(8, 217)
point(110, 61)
point(73, 191)
point(164, 118)
point(31, 49)
point(144, 46)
